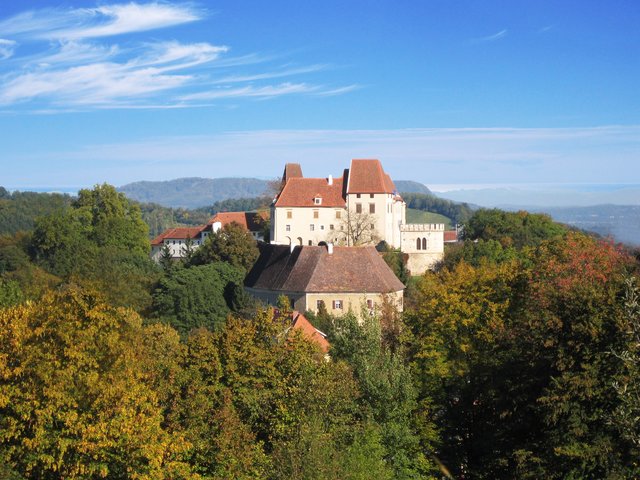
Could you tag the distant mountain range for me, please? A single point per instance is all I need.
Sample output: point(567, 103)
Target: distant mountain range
point(194, 192)
point(197, 192)
point(622, 222)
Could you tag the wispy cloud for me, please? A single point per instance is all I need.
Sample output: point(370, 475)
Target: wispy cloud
point(6, 48)
point(102, 21)
point(70, 64)
point(491, 38)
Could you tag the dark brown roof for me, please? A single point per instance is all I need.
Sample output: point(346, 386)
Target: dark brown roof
point(313, 270)
point(179, 233)
point(246, 219)
point(301, 323)
point(367, 176)
point(300, 192)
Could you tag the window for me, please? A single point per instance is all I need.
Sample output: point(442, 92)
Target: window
point(424, 243)
point(338, 214)
point(317, 201)
point(316, 213)
point(288, 228)
point(337, 304)
point(289, 214)
point(310, 243)
point(320, 305)
point(331, 227)
point(357, 195)
point(372, 226)
point(369, 304)
point(358, 208)
point(174, 242)
point(418, 244)
point(321, 227)
point(371, 195)
point(312, 227)
point(372, 208)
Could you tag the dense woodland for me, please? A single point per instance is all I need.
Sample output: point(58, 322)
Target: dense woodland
point(517, 359)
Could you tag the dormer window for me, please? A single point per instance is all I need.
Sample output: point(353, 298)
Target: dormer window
point(317, 201)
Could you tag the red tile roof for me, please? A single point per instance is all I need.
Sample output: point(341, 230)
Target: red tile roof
point(450, 236)
point(367, 176)
point(246, 219)
point(300, 192)
point(179, 233)
point(301, 323)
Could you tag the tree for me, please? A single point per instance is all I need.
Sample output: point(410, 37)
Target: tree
point(356, 229)
point(388, 392)
point(10, 293)
point(73, 398)
point(626, 415)
point(194, 297)
point(231, 244)
point(101, 242)
point(187, 251)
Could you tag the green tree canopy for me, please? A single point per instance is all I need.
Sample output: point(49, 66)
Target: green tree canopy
point(231, 244)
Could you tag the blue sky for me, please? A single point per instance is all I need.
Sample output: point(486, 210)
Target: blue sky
point(442, 91)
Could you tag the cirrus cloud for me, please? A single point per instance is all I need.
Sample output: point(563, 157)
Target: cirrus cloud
point(72, 63)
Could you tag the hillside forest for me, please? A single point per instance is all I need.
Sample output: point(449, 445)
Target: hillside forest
point(518, 358)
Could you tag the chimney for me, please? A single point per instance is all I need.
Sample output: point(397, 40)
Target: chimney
point(330, 248)
point(330, 180)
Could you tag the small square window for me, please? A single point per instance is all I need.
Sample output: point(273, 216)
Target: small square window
point(316, 214)
point(358, 208)
point(337, 304)
point(288, 228)
point(310, 243)
point(317, 201)
point(319, 304)
point(357, 195)
point(289, 214)
point(321, 227)
point(312, 227)
point(371, 195)
point(330, 227)
point(338, 214)
point(372, 208)
point(369, 304)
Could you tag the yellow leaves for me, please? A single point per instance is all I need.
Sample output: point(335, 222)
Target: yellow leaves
point(74, 389)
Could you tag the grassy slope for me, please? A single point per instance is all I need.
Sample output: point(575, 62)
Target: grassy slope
point(418, 216)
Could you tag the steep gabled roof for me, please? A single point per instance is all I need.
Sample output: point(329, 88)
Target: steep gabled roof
point(301, 323)
point(300, 192)
point(246, 219)
point(367, 176)
point(179, 233)
point(313, 270)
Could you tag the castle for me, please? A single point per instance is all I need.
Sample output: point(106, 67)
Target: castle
point(360, 207)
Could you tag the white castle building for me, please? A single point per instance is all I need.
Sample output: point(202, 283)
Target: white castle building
point(360, 207)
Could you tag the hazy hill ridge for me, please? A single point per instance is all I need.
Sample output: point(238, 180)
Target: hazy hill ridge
point(194, 192)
